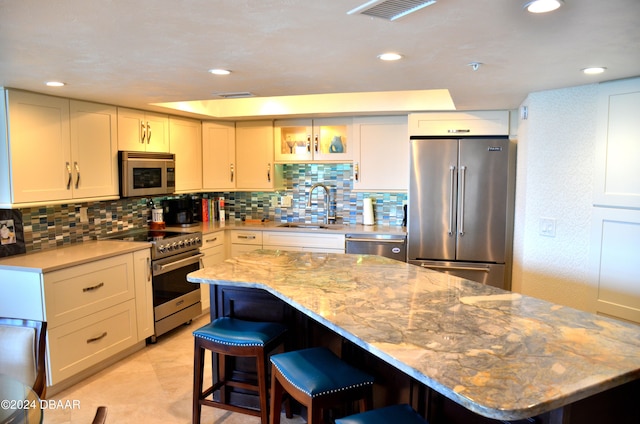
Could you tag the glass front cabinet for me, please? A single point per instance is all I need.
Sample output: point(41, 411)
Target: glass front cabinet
point(306, 140)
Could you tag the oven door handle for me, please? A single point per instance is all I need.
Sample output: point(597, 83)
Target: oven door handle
point(172, 266)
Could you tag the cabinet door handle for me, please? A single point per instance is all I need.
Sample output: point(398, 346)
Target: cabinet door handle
point(356, 170)
point(148, 269)
point(69, 174)
point(148, 133)
point(97, 339)
point(315, 143)
point(232, 172)
point(269, 172)
point(143, 132)
point(75, 164)
point(92, 288)
point(308, 143)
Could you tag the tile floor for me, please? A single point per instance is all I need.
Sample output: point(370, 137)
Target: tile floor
point(151, 386)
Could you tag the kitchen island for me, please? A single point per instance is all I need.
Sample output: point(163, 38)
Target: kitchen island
point(500, 354)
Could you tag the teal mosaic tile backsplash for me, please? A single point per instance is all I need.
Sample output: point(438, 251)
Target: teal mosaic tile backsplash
point(58, 225)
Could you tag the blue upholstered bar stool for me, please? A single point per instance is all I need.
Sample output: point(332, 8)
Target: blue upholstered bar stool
point(234, 337)
point(389, 415)
point(318, 379)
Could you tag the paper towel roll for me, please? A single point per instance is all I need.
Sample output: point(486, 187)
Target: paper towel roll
point(367, 212)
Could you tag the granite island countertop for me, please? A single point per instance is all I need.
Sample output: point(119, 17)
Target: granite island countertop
point(500, 354)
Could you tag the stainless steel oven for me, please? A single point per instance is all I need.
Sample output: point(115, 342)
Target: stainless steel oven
point(173, 255)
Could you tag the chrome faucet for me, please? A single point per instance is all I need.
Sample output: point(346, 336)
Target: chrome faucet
point(329, 217)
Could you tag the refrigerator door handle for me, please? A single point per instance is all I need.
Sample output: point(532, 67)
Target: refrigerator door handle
point(461, 200)
point(460, 268)
point(452, 187)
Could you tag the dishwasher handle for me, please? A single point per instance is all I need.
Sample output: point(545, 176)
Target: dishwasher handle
point(375, 240)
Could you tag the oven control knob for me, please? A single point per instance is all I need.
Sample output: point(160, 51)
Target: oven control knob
point(161, 248)
point(174, 246)
point(181, 244)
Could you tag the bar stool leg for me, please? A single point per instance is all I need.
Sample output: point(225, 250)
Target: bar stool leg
point(198, 366)
point(276, 400)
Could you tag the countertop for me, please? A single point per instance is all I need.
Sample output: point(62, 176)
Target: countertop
point(500, 354)
point(76, 254)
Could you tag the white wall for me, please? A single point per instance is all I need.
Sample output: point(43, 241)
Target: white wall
point(556, 152)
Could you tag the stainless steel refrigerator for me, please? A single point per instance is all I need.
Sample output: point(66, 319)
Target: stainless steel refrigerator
point(461, 196)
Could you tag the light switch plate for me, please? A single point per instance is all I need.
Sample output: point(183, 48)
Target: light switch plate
point(286, 201)
point(83, 215)
point(548, 227)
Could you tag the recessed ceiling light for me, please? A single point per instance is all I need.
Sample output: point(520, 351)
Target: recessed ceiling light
point(594, 70)
point(389, 56)
point(219, 71)
point(543, 6)
point(54, 84)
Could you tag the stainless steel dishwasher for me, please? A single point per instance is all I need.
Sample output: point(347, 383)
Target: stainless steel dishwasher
point(392, 246)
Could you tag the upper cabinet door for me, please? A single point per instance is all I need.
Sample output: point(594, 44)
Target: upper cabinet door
point(306, 140)
point(218, 156)
point(333, 140)
point(141, 131)
point(38, 142)
point(293, 140)
point(254, 154)
point(185, 139)
point(494, 122)
point(94, 149)
point(618, 145)
point(381, 154)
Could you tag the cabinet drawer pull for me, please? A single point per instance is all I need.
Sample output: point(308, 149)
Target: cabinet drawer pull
point(458, 131)
point(96, 339)
point(213, 240)
point(251, 237)
point(92, 288)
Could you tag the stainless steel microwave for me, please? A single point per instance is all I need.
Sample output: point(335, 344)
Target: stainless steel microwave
point(146, 173)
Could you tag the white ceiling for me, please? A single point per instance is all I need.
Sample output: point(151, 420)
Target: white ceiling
point(137, 52)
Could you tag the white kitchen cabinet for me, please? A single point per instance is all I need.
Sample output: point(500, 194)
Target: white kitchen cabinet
point(304, 241)
point(94, 150)
point(245, 241)
point(141, 131)
point(36, 149)
point(144, 293)
point(213, 249)
point(381, 154)
point(305, 140)
point(615, 245)
point(94, 311)
point(490, 123)
point(254, 157)
point(617, 179)
point(218, 156)
point(185, 141)
point(56, 150)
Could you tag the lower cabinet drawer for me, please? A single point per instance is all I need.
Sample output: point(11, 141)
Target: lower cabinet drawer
point(81, 290)
point(80, 344)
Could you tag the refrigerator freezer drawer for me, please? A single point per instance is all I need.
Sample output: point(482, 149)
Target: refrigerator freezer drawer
point(490, 274)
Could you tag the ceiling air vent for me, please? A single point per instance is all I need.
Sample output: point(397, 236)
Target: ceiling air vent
point(390, 9)
point(234, 95)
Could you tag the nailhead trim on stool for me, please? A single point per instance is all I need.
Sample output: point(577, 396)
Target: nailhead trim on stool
point(235, 338)
point(317, 379)
point(396, 414)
